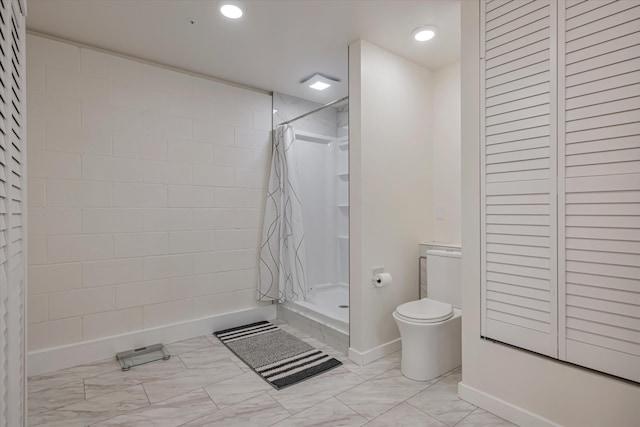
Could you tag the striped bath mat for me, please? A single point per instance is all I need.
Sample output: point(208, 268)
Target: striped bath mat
point(277, 356)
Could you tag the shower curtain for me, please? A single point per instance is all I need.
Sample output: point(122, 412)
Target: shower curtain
point(282, 255)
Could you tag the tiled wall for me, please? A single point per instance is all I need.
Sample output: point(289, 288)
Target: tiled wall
point(146, 190)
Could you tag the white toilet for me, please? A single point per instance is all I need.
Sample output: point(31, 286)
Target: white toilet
point(431, 328)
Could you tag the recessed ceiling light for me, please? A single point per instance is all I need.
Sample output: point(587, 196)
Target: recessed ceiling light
point(319, 85)
point(319, 82)
point(424, 34)
point(231, 10)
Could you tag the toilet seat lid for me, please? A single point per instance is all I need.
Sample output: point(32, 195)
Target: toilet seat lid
point(425, 310)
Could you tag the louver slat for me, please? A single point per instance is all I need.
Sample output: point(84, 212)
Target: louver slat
point(518, 163)
point(12, 277)
point(599, 240)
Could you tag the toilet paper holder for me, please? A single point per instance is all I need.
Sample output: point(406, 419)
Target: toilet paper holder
point(380, 278)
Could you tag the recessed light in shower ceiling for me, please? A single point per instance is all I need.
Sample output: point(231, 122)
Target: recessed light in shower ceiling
point(231, 10)
point(319, 81)
point(423, 34)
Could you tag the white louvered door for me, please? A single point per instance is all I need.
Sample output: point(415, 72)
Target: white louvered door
point(599, 164)
point(518, 187)
point(560, 179)
point(12, 236)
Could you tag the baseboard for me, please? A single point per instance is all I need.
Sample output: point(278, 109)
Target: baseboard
point(506, 410)
point(54, 358)
point(366, 357)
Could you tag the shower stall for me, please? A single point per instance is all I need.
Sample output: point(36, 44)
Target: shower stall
point(318, 155)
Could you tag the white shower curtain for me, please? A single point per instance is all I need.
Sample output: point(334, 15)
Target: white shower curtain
point(282, 254)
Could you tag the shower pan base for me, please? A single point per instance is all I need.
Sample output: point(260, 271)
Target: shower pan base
point(322, 326)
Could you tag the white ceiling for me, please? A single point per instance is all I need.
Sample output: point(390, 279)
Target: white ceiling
point(274, 46)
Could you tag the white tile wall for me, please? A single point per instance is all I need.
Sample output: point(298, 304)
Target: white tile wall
point(81, 301)
point(75, 139)
point(111, 272)
point(111, 323)
point(111, 220)
point(143, 293)
point(50, 278)
point(146, 190)
point(226, 301)
point(53, 333)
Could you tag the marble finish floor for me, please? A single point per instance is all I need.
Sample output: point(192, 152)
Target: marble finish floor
point(204, 384)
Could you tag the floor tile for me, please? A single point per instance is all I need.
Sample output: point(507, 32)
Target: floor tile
point(331, 412)
point(482, 418)
point(169, 413)
point(94, 410)
point(207, 355)
point(204, 383)
point(261, 410)
point(185, 346)
point(374, 397)
point(64, 376)
point(405, 415)
point(116, 380)
point(234, 390)
point(441, 401)
point(189, 380)
point(308, 393)
point(56, 397)
point(375, 368)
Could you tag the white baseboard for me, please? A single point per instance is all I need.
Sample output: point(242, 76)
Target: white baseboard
point(54, 358)
point(506, 410)
point(366, 357)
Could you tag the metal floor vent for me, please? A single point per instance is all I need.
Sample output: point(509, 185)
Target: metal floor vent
point(142, 355)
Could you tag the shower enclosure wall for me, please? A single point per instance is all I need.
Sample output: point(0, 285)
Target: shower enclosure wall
point(323, 188)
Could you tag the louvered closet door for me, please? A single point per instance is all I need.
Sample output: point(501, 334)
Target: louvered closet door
point(599, 156)
point(12, 258)
point(519, 267)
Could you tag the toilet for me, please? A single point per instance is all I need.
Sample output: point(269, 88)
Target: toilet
point(431, 328)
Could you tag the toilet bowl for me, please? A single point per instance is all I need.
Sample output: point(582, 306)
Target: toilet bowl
point(431, 328)
point(431, 333)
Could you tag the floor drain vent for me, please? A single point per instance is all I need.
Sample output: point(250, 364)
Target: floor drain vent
point(343, 306)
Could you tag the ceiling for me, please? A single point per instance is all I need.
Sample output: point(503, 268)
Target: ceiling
point(272, 47)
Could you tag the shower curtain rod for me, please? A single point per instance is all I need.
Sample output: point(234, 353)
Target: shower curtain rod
point(313, 111)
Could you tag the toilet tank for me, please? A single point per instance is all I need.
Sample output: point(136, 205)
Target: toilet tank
point(444, 276)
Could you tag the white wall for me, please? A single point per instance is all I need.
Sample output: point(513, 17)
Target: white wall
point(446, 154)
point(145, 194)
point(390, 195)
point(316, 189)
point(513, 383)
